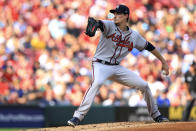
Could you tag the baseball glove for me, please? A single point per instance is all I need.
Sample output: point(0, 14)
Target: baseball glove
point(91, 27)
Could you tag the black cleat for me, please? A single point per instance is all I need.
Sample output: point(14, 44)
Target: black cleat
point(161, 118)
point(73, 121)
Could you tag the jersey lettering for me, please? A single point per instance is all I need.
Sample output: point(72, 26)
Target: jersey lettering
point(115, 44)
point(122, 43)
point(129, 46)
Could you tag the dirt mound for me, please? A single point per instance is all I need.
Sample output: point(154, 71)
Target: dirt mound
point(127, 126)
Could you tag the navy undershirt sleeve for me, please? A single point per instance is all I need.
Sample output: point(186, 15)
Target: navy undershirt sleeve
point(149, 47)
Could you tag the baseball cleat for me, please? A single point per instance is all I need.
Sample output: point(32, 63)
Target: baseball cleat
point(73, 121)
point(161, 118)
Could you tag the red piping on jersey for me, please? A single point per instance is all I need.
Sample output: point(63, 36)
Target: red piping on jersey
point(114, 54)
point(131, 46)
point(119, 54)
point(85, 95)
point(117, 46)
point(124, 45)
point(128, 34)
point(119, 31)
point(91, 83)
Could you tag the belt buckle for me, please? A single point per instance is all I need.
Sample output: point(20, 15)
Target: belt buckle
point(103, 62)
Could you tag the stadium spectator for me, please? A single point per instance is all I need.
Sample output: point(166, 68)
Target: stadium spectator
point(162, 100)
point(43, 42)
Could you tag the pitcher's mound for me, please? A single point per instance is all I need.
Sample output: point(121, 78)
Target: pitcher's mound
point(127, 126)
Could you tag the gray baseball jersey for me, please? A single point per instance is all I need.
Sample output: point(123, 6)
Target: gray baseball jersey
point(115, 44)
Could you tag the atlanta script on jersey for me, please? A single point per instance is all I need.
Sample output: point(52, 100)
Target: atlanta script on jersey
point(115, 44)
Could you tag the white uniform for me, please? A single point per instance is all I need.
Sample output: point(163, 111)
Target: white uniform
point(113, 46)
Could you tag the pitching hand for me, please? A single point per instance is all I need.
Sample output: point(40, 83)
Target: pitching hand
point(165, 68)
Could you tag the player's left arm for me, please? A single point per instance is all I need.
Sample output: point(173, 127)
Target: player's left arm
point(156, 53)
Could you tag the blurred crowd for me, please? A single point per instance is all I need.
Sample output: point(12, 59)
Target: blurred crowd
point(45, 57)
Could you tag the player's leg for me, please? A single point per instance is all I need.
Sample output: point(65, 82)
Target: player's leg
point(100, 73)
point(131, 79)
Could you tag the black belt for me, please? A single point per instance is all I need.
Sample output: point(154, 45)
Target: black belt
point(105, 62)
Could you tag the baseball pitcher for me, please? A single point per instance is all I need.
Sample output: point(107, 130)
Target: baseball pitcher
point(117, 40)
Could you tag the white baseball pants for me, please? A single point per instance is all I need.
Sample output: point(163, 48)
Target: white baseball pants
point(118, 73)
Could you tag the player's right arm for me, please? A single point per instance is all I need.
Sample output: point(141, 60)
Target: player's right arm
point(165, 66)
point(143, 44)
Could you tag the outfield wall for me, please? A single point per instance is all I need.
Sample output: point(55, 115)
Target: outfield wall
point(36, 116)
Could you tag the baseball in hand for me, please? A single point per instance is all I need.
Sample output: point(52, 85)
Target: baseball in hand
point(164, 73)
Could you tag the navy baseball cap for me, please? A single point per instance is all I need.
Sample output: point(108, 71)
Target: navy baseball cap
point(121, 9)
